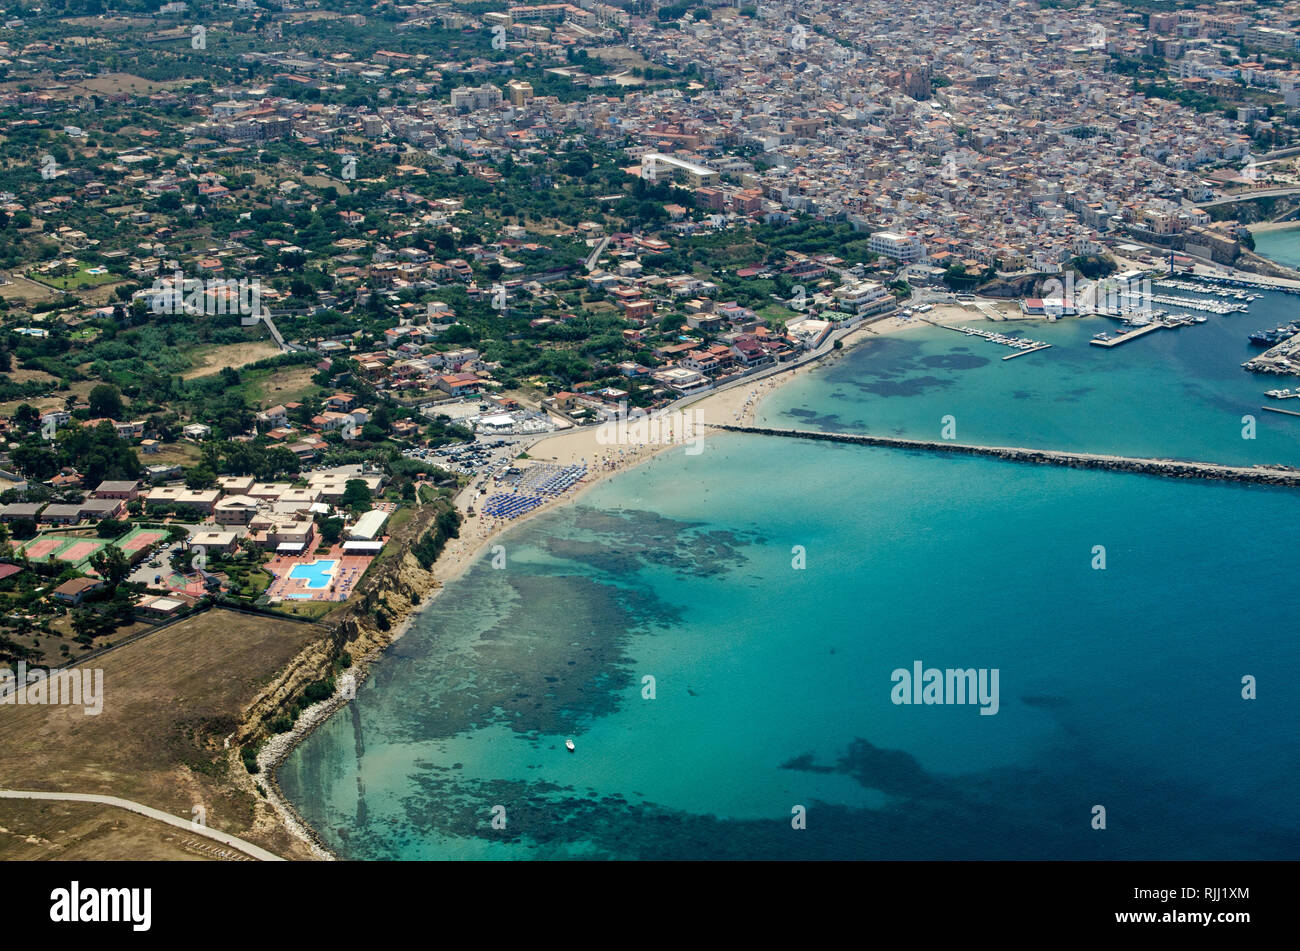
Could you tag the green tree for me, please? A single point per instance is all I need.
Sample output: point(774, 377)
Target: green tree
point(106, 402)
point(356, 496)
point(112, 565)
point(331, 530)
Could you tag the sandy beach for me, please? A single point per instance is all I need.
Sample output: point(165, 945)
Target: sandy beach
point(736, 405)
point(1262, 226)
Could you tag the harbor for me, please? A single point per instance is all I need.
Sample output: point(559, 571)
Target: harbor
point(1022, 345)
point(1282, 359)
point(1201, 303)
point(1201, 288)
point(1271, 338)
point(1105, 340)
point(1201, 282)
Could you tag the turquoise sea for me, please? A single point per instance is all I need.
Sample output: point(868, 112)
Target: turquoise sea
point(1282, 246)
point(772, 683)
point(1177, 393)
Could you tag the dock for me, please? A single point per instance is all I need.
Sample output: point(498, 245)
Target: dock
point(1126, 337)
point(1021, 353)
point(1020, 344)
point(1282, 358)
point(1278, 409)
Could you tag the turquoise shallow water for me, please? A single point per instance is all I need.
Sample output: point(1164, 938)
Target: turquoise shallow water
point(1282, 246)
point(1119, 687)
point(1179, 393)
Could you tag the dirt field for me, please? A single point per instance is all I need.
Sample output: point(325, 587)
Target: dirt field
point(181, 453)
point(54, 401)
point(169, 701)
point(24, 289)
point(46, 831)
point(124, 82)
point(231, 355)
point(623, 57)
point(287, 384)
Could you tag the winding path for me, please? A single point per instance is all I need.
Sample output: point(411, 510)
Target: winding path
point(224, 838)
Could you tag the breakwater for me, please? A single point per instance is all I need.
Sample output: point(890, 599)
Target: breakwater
point(1167, 468)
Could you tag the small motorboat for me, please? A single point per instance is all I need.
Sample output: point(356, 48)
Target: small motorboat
point(568, 745)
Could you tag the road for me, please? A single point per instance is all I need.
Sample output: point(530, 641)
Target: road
point(1249, 196)
point(188, 825)
point(594, 256)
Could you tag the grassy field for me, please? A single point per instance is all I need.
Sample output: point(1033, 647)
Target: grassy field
point(170, 699)
point(76, 831)
point(211, 359)
point(180, 453)
point(81, 278)
point(265, 388)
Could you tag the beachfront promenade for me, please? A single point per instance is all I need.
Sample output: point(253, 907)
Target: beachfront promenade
point(1169, 468)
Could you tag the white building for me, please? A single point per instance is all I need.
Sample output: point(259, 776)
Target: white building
point(656, 166)
point(476, 97)
point(367, 527)
point(900, 247)
point(862, 297)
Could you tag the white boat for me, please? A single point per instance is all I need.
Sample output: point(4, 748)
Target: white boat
point(568, 745)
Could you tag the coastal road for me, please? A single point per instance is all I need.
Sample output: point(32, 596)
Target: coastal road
point(224, 838)
point(1249, 196)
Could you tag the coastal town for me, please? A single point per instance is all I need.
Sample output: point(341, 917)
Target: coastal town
point(305, 303)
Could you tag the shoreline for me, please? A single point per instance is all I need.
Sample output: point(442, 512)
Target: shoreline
point(738, 404)
point(1262, 227)
point(713, 413)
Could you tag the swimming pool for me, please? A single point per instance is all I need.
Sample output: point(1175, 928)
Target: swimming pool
point(317, 574)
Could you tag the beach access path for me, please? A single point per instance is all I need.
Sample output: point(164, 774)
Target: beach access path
point(189, 825)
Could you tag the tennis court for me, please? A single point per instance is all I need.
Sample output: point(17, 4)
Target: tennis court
point(38, 549)
point(139, 539)
point(77, 549)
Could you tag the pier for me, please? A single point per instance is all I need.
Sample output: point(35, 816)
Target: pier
point(1278, 409)
point(1167, 468)
point(1022, 344)
point(1261, 285)
point(1127, 336)
point(1021, 353)
point(1199, 303)
point(1282, 358)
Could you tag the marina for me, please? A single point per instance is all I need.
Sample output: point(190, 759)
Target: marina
point(1282, 359)
point(1201, 303)
point(1199, 283)
point(1104, 340)
point(1022, 344)
point(1270, 338)
point(1202, 288)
